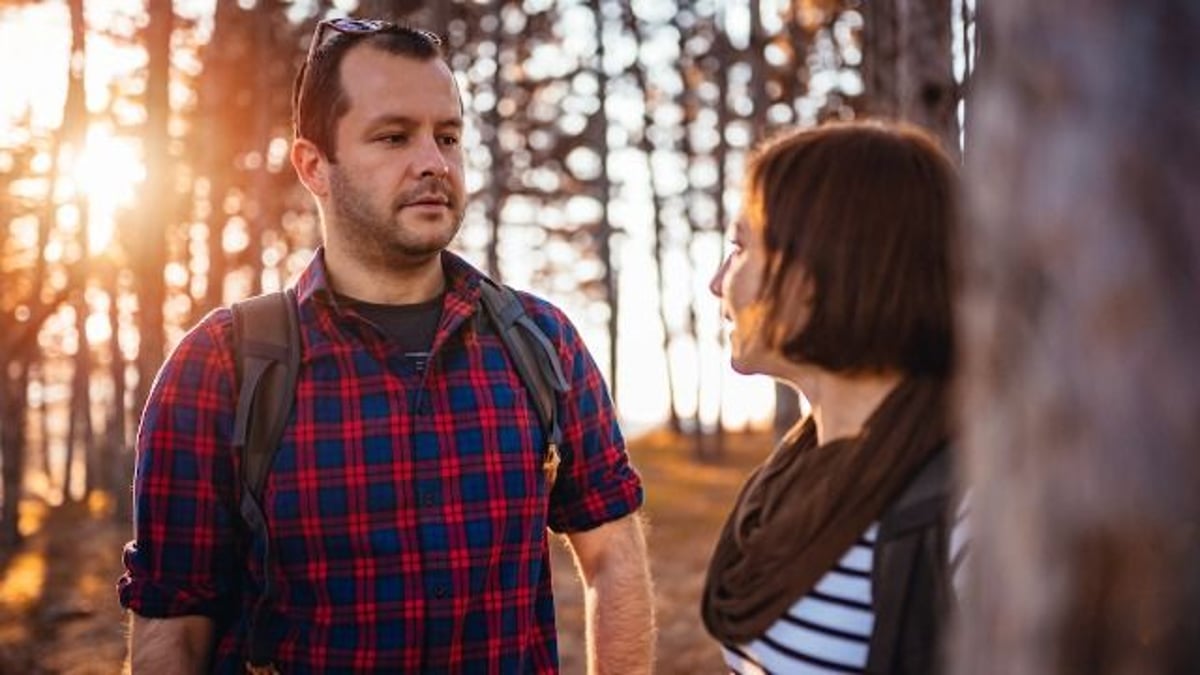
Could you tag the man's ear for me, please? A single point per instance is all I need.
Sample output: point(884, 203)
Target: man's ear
point(311, 167)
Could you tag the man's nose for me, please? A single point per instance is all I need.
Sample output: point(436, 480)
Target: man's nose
point(429, 160)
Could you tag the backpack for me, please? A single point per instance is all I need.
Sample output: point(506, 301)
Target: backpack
point(267, 346)
point(911, 575)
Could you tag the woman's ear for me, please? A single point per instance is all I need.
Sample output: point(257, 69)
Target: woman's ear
point(311, 167)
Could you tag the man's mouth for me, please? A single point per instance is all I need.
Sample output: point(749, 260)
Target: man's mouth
point(429, 200)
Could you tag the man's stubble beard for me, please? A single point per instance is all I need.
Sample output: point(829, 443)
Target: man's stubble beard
point(378, 236)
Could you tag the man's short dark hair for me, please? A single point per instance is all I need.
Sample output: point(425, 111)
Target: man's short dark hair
point(867, 213)
point(319, 99)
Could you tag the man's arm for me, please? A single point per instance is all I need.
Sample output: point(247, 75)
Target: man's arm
point(180, 644)
point(618, 597)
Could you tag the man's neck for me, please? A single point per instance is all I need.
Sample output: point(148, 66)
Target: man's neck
point(397, 284)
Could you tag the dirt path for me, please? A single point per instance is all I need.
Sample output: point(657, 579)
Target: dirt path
point(58, 609)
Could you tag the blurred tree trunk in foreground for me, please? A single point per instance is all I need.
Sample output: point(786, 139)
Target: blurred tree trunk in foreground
point(1082, 319)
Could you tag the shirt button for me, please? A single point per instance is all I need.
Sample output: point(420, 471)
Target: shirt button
point(428, 499)
point(439, 592)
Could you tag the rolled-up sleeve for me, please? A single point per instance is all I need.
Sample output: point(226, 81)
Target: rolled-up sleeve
point(180, 560)
point(596, 483)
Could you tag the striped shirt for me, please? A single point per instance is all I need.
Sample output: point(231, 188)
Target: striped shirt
point(829, 629)
point(826, 631)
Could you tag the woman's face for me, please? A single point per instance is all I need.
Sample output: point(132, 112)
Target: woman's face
point(738, 283)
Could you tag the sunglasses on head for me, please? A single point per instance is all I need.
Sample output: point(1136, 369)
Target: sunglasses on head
point(327, 28)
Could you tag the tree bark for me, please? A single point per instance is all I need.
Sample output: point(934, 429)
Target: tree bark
point(13, 390)
point(499, 178)
point(604, 232)
point(908, 65)
point(157, 204)
point(1082, 341)
point(80, 434)
point(217, 85)
point(657, 207)
point(113, 447)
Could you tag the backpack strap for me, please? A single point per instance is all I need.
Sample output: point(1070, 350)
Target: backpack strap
point(536, 361)
point(911, 564)
point(267, 343)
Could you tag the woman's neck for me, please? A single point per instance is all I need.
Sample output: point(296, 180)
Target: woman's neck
point(841, 403)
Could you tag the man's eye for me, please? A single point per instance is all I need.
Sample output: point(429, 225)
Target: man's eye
point(449, 139)
point(393, 139)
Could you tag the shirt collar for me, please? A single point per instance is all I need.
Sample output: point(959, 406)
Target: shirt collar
point(462, 279)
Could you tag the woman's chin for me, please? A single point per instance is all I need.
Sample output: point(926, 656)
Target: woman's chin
point(741, 366)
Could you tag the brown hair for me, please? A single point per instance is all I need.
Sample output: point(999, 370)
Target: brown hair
point(865, 212)
point(318, 98)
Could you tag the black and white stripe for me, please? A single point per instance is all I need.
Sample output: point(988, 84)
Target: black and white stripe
point(826, 631)
point(960, 540)
point(829, 630)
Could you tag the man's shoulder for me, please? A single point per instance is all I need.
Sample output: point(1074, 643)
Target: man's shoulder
point(217, 323)
point(548, 316)
point(200, 363)
point(210, 337)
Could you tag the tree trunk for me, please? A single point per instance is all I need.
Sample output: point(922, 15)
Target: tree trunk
point(157, 204)
point(15, 343)
point(217, 84)
point(908, 65)
point(1082, 340)
point(674, 423)
point(721, 157)
point(499, 178)
point(264, 203)
point(115, 450)
point(13, 389)
point(606, 198)
point(80, 435)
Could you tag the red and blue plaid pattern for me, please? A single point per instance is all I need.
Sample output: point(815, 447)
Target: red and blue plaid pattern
point(407, 510)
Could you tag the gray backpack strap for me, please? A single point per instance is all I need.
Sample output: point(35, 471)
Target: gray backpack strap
point(267, 340)
point(535, 359)
point(911, 571)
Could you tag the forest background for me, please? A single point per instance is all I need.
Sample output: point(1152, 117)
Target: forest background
point(144, 181)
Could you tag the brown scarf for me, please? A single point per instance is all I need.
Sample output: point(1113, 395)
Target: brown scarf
point(807, 504)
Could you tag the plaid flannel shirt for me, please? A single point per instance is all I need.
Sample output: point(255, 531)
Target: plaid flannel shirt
point(407, 509)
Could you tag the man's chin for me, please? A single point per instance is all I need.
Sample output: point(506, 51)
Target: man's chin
point(413, 253)
point(431, 240)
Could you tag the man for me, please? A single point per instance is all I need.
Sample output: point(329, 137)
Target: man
point(407, 504)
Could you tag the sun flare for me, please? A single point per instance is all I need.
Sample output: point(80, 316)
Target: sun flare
point(107, 173)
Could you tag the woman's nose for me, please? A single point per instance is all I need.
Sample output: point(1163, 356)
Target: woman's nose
point(714, 284)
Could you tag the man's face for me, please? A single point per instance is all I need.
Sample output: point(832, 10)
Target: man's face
point(396, 192)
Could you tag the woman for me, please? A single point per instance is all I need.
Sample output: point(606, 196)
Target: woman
point(836, 556)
